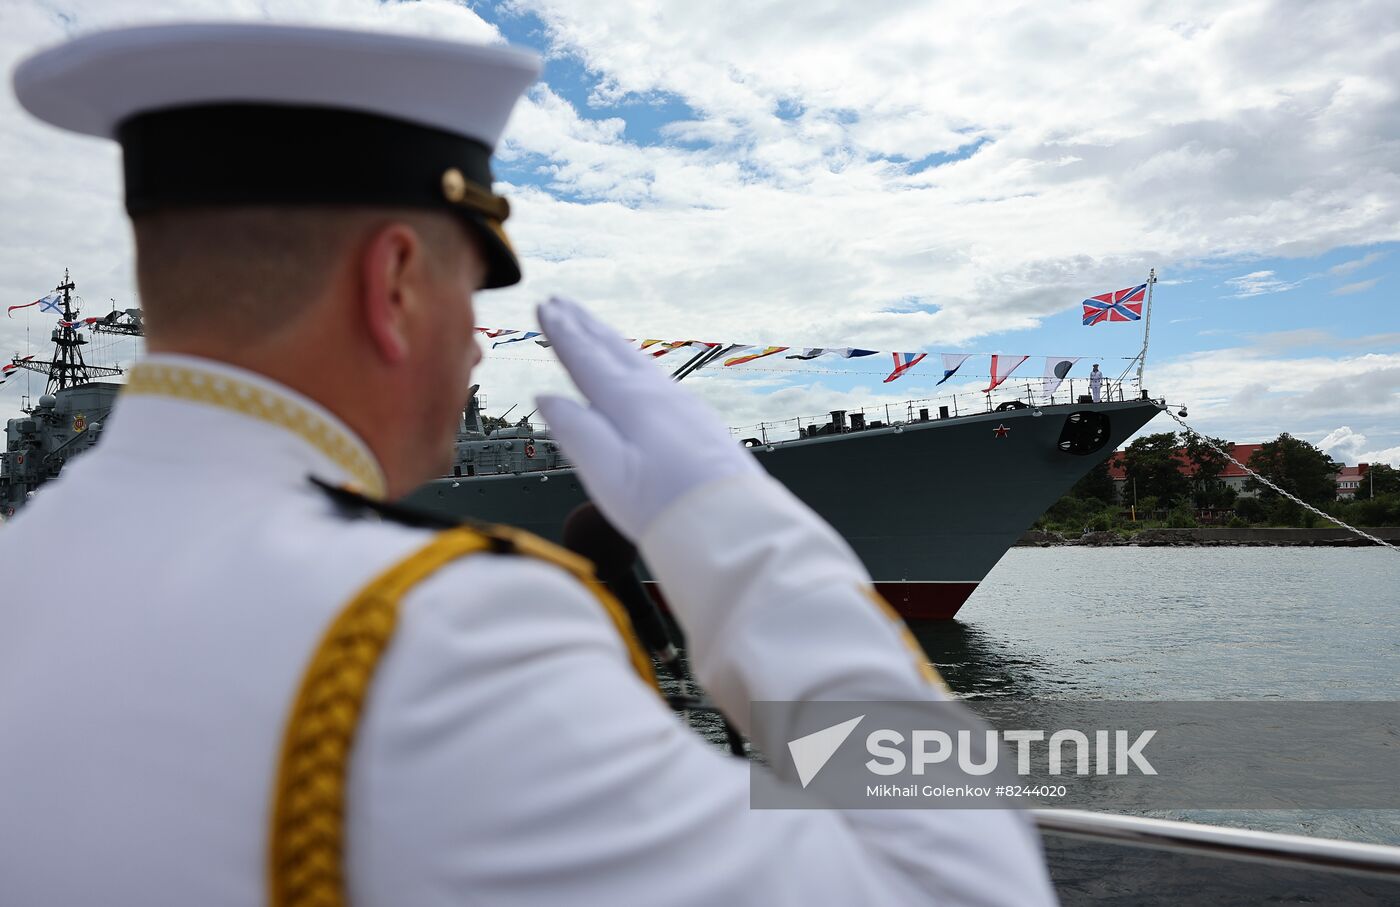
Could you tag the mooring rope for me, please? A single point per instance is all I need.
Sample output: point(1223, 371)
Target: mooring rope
point(1292, 497)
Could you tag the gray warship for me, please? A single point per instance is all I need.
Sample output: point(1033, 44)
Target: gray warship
point(67, 418)
point(930, 502)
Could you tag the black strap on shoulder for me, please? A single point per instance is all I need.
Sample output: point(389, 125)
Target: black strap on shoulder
point(355, 504)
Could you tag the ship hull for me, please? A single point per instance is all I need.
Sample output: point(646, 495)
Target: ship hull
point(929, 507)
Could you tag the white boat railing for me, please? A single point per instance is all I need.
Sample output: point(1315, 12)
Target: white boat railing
point(1296, 851)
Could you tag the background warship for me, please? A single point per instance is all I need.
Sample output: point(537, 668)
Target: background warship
point(68, 417)
point(929, 503)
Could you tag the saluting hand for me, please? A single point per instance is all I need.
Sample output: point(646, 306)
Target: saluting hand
point(642, 442)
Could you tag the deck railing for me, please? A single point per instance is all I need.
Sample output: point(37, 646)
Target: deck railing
point(964, 404)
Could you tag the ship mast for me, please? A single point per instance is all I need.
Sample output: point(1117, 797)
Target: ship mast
point(67, 368)
point(1146, 326)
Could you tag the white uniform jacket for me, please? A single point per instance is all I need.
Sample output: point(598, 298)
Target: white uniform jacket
point(162, 599)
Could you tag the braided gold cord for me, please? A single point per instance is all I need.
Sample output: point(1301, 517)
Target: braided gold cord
point(184, 383)
point(305, 862)
point(307, 843)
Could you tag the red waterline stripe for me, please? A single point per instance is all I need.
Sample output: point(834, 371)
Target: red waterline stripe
point(926, 601)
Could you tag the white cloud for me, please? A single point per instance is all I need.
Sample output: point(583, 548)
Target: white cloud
point(1277, 341)
point(1259, 283)
point(1355, 264)
point(1210, 140)
point(1352, 447)
point(1248, 393)
point(1359, 287)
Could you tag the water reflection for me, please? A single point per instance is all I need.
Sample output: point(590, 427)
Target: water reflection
point(980, 665)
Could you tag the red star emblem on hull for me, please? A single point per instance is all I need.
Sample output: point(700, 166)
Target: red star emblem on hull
point(1001, 431)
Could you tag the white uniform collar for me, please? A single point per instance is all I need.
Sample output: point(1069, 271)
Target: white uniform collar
point(243, 416)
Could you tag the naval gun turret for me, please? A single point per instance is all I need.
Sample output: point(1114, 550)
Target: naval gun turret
point(502, 449)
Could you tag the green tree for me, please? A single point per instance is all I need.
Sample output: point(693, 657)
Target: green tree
point(1152, 462)
point(1069, 511)
point(1207, 463)
point(1096, 485)
point(1382, 510)
point(1181, 517)
point(1251, 510)
point(1283, 512)
point(1216, 494)
point(1297, 467)
point(1380, 479)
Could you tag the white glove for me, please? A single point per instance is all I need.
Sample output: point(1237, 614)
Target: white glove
point(644, 441)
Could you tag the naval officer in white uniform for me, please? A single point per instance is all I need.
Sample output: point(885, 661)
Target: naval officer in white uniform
point(220, 687)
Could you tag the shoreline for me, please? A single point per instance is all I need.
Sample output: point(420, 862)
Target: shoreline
point(1209, 537)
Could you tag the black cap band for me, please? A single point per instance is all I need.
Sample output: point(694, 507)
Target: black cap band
point(257, 154)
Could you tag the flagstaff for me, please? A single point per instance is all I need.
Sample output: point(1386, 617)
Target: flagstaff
point(1146, 325)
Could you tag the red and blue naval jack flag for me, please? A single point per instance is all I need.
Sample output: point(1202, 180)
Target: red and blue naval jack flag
point(1121, 305)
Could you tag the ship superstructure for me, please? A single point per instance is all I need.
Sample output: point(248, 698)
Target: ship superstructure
point(510, 449)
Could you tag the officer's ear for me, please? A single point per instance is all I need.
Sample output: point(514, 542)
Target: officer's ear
point(392, 264)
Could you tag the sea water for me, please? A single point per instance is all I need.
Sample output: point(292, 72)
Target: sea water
point(1178, 623)
point(1170, 624)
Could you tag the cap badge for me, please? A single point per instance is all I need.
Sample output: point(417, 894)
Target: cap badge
point(459, 191)
point(454, 185)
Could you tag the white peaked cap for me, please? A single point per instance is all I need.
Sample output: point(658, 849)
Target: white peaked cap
point(93, 83)
point(223, 114)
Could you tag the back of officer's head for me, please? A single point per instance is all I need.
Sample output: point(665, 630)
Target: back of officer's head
point(313, 204)
point(243, 275)
point(368, 310)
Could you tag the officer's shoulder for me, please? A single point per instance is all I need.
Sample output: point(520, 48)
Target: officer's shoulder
point(351, 505)
point(489, 576)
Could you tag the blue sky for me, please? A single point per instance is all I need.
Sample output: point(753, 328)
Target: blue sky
point(1260, 311)
point(1347, 292)
point(939, 177)
point(570, 78)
